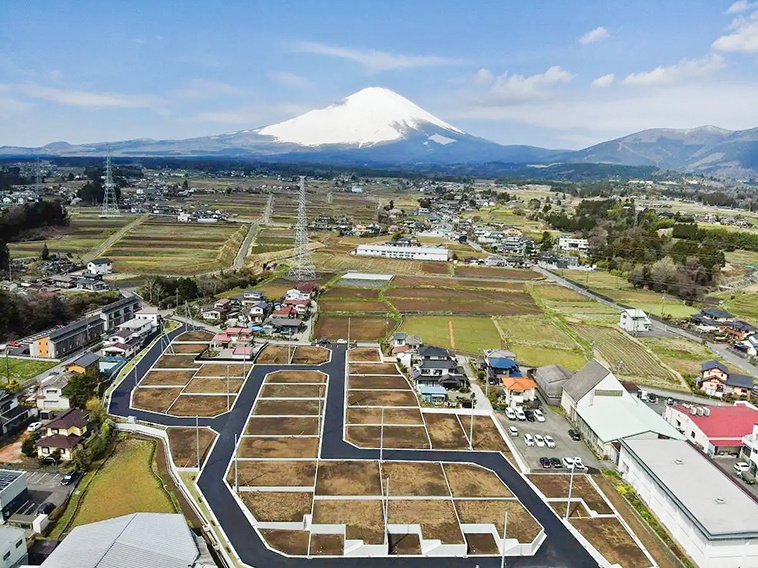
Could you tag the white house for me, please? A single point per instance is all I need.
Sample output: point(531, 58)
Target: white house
point(705, 512)
point(294, 295)
point(570, 243)
point(634, 321)
point(13, 550)
point(750, 448)
point(405, 253)
point(150, 314)
point(100, 266)
point(50, 394)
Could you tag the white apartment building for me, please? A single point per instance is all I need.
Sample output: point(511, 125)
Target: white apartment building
point(405, 253)
point(570, 243)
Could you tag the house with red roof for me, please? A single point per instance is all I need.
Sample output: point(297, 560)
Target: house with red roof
point(714, 429)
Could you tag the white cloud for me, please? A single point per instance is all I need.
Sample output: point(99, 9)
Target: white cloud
point(224, 116)
point(289, 79)
point(516, 89)
point(374, 60)
point(603, 81)
point(483, 77)
point(741, 6)
point(200, 89)
point(743, 37)
point(685, 70)
point(86, 99)
point(598, 34)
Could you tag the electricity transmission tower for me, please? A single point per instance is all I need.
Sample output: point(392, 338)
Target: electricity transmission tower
point(110, 203)
point(302, 269)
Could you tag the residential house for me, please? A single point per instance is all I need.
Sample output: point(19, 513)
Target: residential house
point(13, 415)
point(749, 345)
point(100, 266)
point(87, 365)
point(738, 330)
point(65, 434)
point(716, 430)
point(301, 307)
point(436, 366)
point(285, 326)
point(50, 395)
point(258, 311)
point(285, 312)
point(433, 394)
point(151, 314)
point(518, 390)
point(252, 297)
point(402, 339)
point(242, 335)
point(634, 321)
point(224, 305)
point(13, 552)
point(211, 312)
point(718, 381)
point(716, 315)
point(310, 288)
point(62, 281)
point(550, 380)
point(126, 349)
point(91, 284)
point(220, 341)
point(295, 294)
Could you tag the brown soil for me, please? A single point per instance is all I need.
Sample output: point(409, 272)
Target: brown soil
point(486, 435)
point(289, 542)
point(276, 407)
point(481, 543)
point(394, 437)
point(154, 399)
point(220, 370)
point(200, 405)
point(435, 268)
point(213, 386)
point(183, 444)
point(381, 398)
point(404, 544)
point(391, 416)
point(557, 486)
point(176, 362)
point(517, 307)
point(364, 518)
point(364, 354)
point(577, 510)
point(327, 544)
point(348, 478)
point(453, 295)
point(612, 540)
point(373, 369)
point(378, 382)
point(275, 506)
point(276, 426)
point(521, 524)
point(189, 347)
point(310, 355)
point(455, 283)
point(493, 272)
point(274, 355)
point(414, 479)
point(352, 307)
point(361, 328)
point(295, 377)
point(197, 335)
point(167, 378)
point(274, 473)
point(351, 293)
point(278, 448)
point(292, 391)
point(445, 431)
point(470, 480)
point(436, 517)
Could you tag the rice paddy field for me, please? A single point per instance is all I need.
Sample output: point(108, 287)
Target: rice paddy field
point(538, 341)
point(240, 204)
point(468, 334)
point(162, 245)
point(743, 305)
point(272, 239)
point(682, 355)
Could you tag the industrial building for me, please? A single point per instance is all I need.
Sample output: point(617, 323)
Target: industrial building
point(405, 253)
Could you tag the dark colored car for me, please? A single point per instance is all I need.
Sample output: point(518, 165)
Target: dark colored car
point(651, 398)
point(669, 401)
point(575, 435)
point(546, 463)
point(70, 477)
point(530, 416)
point(556, 463)
point(46, 508)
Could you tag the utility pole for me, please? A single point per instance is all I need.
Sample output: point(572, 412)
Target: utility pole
point(471, 425)
point(571, 487)
point(381, 438)
point(236, 478)
point(227, 388)
point(348, 333)
point(197, 440)
point(505, 526)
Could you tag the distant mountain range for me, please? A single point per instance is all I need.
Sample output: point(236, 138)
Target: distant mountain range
point(376, 127)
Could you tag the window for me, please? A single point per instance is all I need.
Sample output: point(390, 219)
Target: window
point(19, 543)
point(7, 555)
point(692, 434)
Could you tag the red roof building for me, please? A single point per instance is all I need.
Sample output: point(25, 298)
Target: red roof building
point(714, 429)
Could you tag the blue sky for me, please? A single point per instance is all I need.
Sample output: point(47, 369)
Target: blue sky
point(547, 73)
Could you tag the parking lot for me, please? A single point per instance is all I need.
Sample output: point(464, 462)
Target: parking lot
point(555, 426)
point(44, 487)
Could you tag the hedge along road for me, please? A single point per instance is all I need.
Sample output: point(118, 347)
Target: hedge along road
point(559, 550)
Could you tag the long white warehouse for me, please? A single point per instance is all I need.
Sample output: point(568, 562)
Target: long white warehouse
point(406, 253)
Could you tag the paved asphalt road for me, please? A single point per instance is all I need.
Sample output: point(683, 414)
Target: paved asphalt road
point(560, 548)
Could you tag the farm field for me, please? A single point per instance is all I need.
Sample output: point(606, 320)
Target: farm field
point(362, 328)
point(162, 246)
point(238, 203)
point(537, 341)
point(682, 355)
point(572, 306)
point(469, 334)
point(21, 370)
point(743, 305)
point(496, 272)
point(352, 307)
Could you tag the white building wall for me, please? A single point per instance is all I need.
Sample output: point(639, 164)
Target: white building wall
point(609, 383)
point(406, 253)
point(682, 422)
point(14, 552)
point(101, 268)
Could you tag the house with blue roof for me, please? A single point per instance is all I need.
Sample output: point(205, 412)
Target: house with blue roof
point(500, 364)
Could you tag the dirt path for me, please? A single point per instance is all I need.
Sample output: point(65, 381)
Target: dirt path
point(267, 210)
point(452, 333)
point(113, 239)
point(239, 262)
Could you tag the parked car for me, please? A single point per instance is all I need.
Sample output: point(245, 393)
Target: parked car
point(747, 477)
point(739, 467)
point(575, 435)
point(578, 464)
point(556, 463)
point(510, 413)
point(529, 415)
point(546, 463)
point(520, 414)
point(70, 477)
point(669, 401)
point(538, 415)
point(528, 440)
point(34, 426)
point(652, 398)
point(549, 442)
point(568, 462)
point(513, 431)
point(539, 440)
point(46, 508)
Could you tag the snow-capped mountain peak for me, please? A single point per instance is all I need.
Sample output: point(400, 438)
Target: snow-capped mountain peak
point(370, 116)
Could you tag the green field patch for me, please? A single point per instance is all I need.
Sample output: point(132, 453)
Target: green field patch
point(744, 305)
point(22, 370)
point(470, 334)
point(682, 355)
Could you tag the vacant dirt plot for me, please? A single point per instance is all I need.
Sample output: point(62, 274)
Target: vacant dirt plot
point(327, 544)
point(481, 543)
point(612, 540)
point(200, 405)
point(414, 479)
point(388, 382)
point(154, 399)
point(436, 517)
point(492, 272)
point(275, 506)
point(459, 294)
point(521, 524)
point(404, 544)
point(197, 335)
point(373, 369)
point(287, 377)
point(274, 355)
point(220, 371)
point(176, 362)
point(262, 426)
point(183, 444)
point(486, 435)
point(381, 398)
point(577, 510)
point(167, 378)
point(361, 328)
point(557, 486)
point(351, 293)
point(277, 407)
point(310, 355)
point(278, 447)
point(394, 436)
point(470, 307)
point(212, 386)
point(292, 391)
point(348, 478)
point(289, 542)
point(352, 307)
point(470, 480)
point(445, 431)
point(391, 416)
point(364, 354)
point(364, 519)
point(194, 348)
point(274, 473)
point(454, 283)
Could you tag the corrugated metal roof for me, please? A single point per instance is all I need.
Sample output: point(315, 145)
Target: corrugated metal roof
point(621, 417)
point(585, 380)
